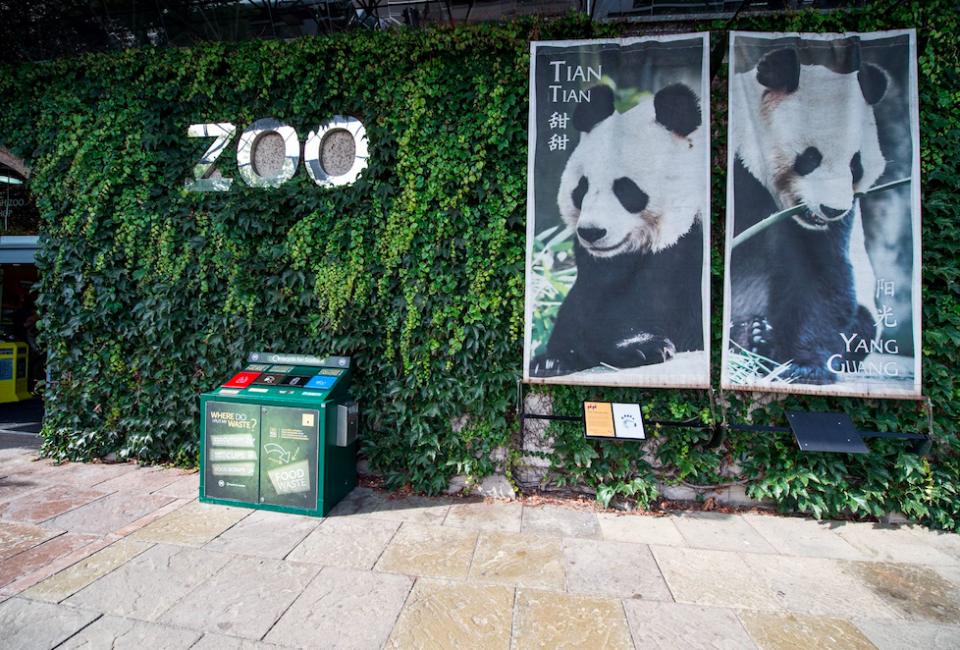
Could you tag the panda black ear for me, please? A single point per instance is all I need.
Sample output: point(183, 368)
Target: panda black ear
point(600, 107)
point(873, 82)
point(780, 70)
point(678, 109)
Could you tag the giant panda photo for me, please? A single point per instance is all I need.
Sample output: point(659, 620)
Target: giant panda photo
point(617, 272)
point(823, 235)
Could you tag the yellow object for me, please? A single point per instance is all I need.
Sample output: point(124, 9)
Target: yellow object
point(598, 417)
point(22, 371)
point(8, 382)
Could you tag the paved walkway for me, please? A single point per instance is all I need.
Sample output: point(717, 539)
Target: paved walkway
point(112, 556)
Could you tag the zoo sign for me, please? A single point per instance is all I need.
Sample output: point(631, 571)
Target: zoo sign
point(223, 134)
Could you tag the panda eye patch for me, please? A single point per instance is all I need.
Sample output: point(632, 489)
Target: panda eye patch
point(856, 167)
point(630, 196)
point(808, 161)
point(579, 192)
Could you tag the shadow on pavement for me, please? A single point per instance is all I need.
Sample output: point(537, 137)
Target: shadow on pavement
point(22, 417)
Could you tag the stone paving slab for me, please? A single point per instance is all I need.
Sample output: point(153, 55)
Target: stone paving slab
point(670, 626)
point(16, 538)
point(497, 516)
point(143, 479)
point(413, 509)
point(187, 487)
point(518, 560)
point(12, 457)
point(264, 534)
point(715, 578)
point(49, 502)
point(562, 521)
point(13, 486)
point(360, 501)
point(27, 625)
point(221, 642)
point(546, 619)
point(917, 593)
point(74, 578)
point(195, 524)
point(817, 586)
point(342, 541)
point(149, 518)
point(26, 467)
point(615, 569)
point(343, 609)
point(151, 583)
point(441, 615)
point(951, 573)
point(107, 514)
point(245, 598)
point(772, 631)
point(888, 543)
point(59, 564)
point(946, 543)
point(90, 474)
point(41, 555)
point(432, 551)
point(721, 532)
point(640, 529)
point(123, 634)
point(804, 537)
point(898, 635)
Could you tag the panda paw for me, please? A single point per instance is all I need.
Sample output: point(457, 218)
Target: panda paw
point(817, 375)
point(544, 366)
point(645, 350)
point(760, 339)
point(755, 335)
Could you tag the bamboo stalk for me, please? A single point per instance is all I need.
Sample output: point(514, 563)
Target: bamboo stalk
point(789, 212)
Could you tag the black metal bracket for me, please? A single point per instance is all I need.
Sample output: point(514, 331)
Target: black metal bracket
point(554, 418)
point(835, 432)
point(921, 446)
point(813, 431)
point(695, 424)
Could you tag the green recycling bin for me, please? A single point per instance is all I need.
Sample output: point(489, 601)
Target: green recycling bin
point(280, 435)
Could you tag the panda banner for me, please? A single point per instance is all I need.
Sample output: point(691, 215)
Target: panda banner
point(822, 287)
point(617, 276)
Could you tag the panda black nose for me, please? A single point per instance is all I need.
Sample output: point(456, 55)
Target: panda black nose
point(591, 235)
point(831, 213)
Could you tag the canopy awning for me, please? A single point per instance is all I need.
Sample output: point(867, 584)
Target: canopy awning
point(18, 249)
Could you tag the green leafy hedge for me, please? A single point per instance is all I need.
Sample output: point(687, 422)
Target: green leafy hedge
point(151, 295)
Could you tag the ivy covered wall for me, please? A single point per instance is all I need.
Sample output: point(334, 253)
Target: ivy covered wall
point(152, 295)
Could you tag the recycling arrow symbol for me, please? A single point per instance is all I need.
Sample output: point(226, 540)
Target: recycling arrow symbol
point(272, 447)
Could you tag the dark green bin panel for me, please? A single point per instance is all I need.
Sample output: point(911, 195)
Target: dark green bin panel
point(231, 462)
point(289, 456)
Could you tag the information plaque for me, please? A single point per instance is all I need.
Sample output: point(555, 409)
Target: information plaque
point(232, 439)
point(598, 419)
point(606, 420)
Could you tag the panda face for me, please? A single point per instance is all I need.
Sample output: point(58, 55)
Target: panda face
point(632, 184)
point(812, 142)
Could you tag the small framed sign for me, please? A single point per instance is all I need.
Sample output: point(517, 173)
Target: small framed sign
point(628, 422)
point(598, 419)
point(606, 420)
